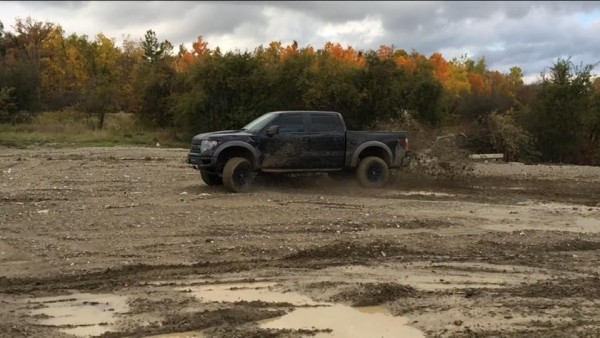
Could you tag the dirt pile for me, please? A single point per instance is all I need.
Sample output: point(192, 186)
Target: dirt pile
point(445, 157)
point(371, 294)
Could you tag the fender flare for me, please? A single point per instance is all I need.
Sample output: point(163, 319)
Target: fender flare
point(241, 144)
point(366, 145)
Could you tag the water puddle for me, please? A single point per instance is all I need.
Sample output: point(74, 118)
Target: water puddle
point(342, 320)
point(425, 193)
point(80, 314)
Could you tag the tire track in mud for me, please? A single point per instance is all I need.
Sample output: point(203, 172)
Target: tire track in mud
point(497, 248)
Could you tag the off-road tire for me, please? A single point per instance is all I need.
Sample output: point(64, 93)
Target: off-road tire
point(238, 174)
point(372, 172)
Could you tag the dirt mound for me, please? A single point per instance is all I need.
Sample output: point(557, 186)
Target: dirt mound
point(446, 156)
point(371, 294)
point(426, 164)
point(143, 305)
point(182, 322)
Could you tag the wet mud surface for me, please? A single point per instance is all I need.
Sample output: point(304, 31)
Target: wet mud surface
point(127, 242)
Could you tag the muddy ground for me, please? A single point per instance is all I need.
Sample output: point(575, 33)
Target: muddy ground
point(502, 250)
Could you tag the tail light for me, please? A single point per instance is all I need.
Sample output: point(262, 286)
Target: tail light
point(404, 143)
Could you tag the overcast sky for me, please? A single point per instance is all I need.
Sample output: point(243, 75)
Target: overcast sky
point(531, 35)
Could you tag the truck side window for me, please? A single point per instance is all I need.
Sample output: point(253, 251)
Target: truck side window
point(325, 123)
point(290, 123)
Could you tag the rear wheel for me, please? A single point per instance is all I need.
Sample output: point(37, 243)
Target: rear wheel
point(211, 178)
point(238, 174)
point(372, 172)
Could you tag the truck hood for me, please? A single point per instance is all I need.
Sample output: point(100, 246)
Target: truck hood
point(220, 135)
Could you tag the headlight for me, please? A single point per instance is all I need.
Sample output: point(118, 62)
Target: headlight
point(207, 145)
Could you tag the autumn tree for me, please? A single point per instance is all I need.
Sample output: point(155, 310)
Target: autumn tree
point(225, 92)
point(101, 96)
point(20, 65)
point(336, 86)
point(129, 63)
point(291, 79)
point(199, 53)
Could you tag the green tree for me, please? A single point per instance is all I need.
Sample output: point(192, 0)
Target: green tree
point(8, 108)
point(154, 50)
point(20, 64)
point(386, 86)
point(224, 92)
point(154, 81)
point(556, 118)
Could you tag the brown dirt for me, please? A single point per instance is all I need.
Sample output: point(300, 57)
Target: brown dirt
point(468, 250)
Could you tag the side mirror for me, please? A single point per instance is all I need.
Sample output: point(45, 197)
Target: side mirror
point(272, 130)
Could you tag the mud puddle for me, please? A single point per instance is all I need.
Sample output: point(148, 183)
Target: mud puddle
point(80, 314)
point(338, 320)
point(423, 193)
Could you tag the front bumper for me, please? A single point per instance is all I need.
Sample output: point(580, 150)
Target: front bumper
point(199, 161)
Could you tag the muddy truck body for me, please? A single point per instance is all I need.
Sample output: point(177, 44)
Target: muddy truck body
point(294, 142)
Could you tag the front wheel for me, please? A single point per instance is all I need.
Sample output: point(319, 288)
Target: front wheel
point(238, 174)
point(372, 172)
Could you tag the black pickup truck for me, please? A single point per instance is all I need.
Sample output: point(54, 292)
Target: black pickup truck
point(297, 141)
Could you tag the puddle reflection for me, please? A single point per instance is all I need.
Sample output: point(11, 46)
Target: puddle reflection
point(80, 314)
point(343, 321)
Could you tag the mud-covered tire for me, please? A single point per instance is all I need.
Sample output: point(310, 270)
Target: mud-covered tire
point(210, 178)
point(238, 174)
point(372, 172)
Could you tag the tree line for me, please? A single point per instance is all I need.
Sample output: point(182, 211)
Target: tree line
point(201, 89)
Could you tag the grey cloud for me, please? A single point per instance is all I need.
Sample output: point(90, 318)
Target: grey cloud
point(58, 4)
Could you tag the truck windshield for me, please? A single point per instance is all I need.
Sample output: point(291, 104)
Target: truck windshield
point(260, 122)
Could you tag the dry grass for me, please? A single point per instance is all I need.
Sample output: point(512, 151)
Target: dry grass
point(71, 128)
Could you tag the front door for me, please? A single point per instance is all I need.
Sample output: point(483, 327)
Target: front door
point(286, 150)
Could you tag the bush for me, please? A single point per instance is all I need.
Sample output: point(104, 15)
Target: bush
point(7, 105)
point(500, 133)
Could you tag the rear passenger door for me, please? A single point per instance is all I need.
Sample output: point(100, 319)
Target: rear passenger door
point(326, 141)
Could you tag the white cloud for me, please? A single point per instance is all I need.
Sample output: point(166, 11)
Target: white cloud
point(363, 32)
